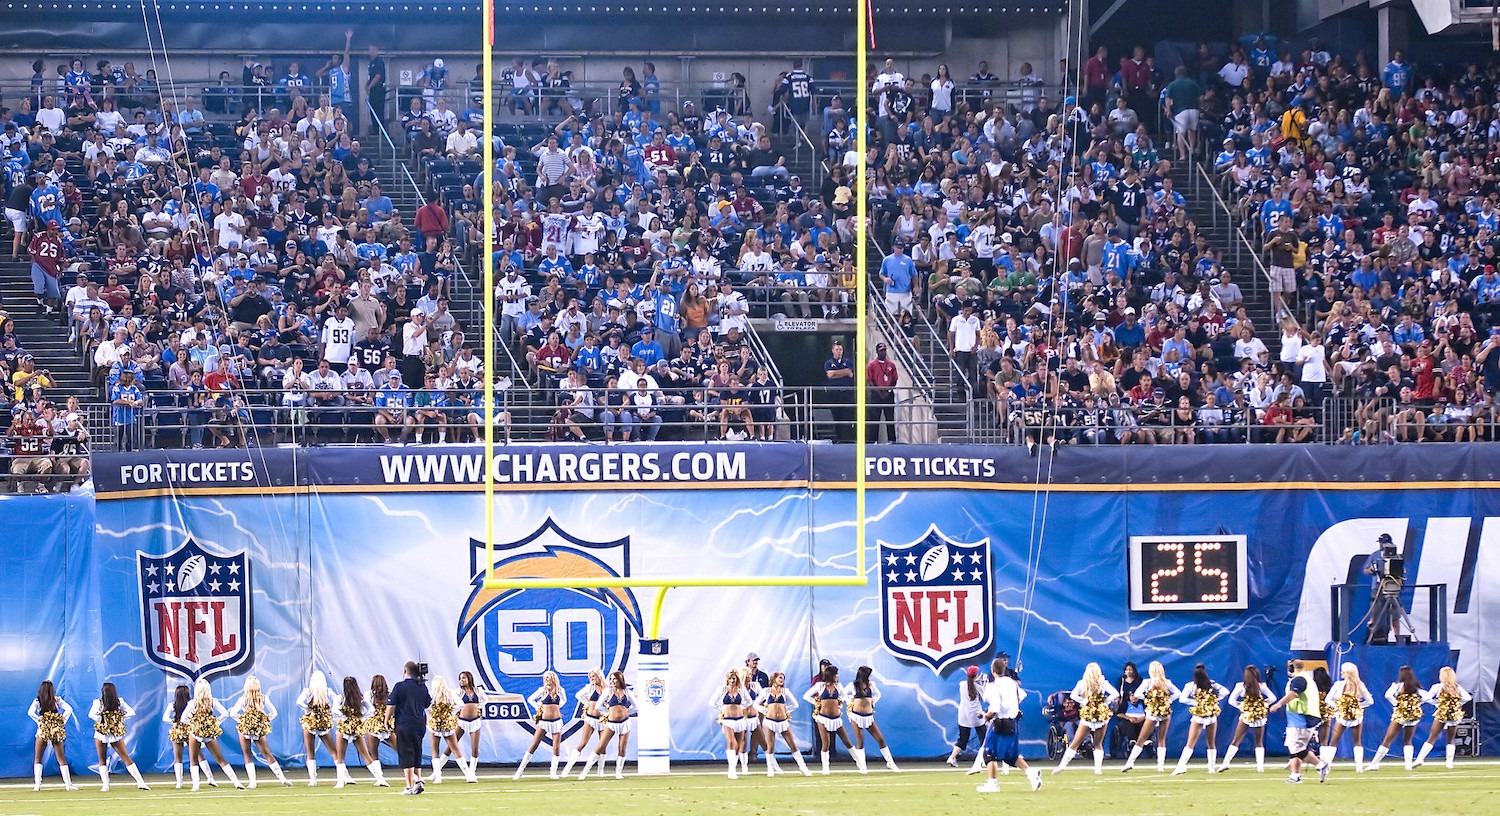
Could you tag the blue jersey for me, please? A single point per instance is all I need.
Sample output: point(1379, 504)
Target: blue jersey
point(338, 86)
point(666, 312)
point(1118, 258)
point(46, 204)
point(1271, 212)
point(395, 399)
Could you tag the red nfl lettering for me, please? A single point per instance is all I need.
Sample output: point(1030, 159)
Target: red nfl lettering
point(937, 599)
point(196, 616)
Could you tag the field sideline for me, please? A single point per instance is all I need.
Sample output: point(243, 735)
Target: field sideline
point(920, 790)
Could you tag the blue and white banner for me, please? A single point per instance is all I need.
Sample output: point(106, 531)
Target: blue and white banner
point(333, 560)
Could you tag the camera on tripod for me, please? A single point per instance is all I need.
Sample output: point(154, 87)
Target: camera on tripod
point(420, 675)
point(1392, 567)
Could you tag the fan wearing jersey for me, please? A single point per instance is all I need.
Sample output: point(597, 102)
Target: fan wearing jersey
point(338, 336)
point(557, 229)
point(28, 446)
point(47, 253)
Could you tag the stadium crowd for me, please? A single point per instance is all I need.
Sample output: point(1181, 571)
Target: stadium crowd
point(1073, 290)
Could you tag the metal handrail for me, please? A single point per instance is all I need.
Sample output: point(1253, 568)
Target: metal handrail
point(820, 166)
point(906, 351)
point(1223, 210)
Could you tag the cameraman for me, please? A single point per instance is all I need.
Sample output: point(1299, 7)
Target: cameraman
point(409, 702)
point(1386, 626)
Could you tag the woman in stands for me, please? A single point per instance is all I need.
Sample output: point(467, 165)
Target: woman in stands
point(1096, 699)
point(970, 718)
point(318, 704)
point(730, 700)
point(51, 714)
point(470, 722)
point(379, 725)
point(1348, 698)
point(863, 695)
point(205, 725)
point(1253, 698)
point(177, 728)
point(1202, 697)
point(1448, 699)
point(1406, 697)
point(1156, 694)
point(615, 709)
point(546, 703)
point(588, 701)
point(252, 714)
point(109, 714)
point(353, 711)
point(442, 721)
point(827, 698)
point(777, 705)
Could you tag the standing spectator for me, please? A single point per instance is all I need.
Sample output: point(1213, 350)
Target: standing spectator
point(408, 703)
point(375, 84)
point(881, 376)
point(1096, 79)
point(898, 271)
point(46, 250)
point(1314, 369)
point(1135, 76)
point(839, 377)
point(128, 400)
point(963, 341)
point(1397, 75)
point(1183, 95)
point(1282, 247)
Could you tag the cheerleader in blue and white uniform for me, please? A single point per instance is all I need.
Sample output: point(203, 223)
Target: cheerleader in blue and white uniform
point(777, 705)
point(547, 702)
point(1348, 698)
point(588, 699)
point(730, 700)
point(253, 713)
point(863, 695)
point(319, 709)
point(1406, 697)
point(1448, 699)
point(109, 714)
point(827, 699)
point(1202, 697)
point(1253, 698)
point(615, 710)
point(51, 714)
point(205, 725)
point(1156, 696)
point(174, 716)
point(470, 723)
point(1096, 700)
point(754, 734)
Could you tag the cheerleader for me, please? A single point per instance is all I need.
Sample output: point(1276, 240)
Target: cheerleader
point(588, 701)
point(380, 724)
point(730, 700)
point(547, 703)
point(1323, 682)
point(754, 734)
point(319, 705)
point(1202, 696)
point(1406, 697)
point(109, 714)
point(177, 730)
point(1156, 696)
point(827, 699)
point(777, 706)
point(863, 695)
point(1348, 698)
point(353, 715)
point(1096, 699)
point(252, 714)
point(1253, 698)
point(51, 714)
point(1449, 699)
point(205, 726)
point(970, 719)
point(615, 709)
point(471, 722)
point(442, 721)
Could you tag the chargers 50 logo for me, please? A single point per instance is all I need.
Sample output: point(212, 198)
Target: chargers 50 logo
point(517, 635)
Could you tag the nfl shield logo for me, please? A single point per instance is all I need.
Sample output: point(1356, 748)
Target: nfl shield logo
point(195, 610)
point(937, 599)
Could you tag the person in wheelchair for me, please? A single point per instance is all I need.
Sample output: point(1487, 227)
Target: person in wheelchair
point(1061, 712)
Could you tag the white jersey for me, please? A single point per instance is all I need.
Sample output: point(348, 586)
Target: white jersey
point(338, 339)
point(588, 231)
point(557, 231)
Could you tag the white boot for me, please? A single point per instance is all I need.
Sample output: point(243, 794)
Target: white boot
point(135, 773)
point(312, 774)
point(1328, 753)
point(890, 763)
point(1182, 763)
point(250, 775)
point(801, 763)
point(771, 765)
point(67, 775)
point(1406, 755)
point(36, 776)
point(1098, 760)
point(572, 760)
point(1379, 755)
point(586, 765)
point(619, 767)
point(438, 762)
point(193, 769)
point(1452, 751)
point(340, 775)
point(859, 761)
point(1359, 759)
point(555, 758)
point(825, 768)
point(1135, 751)
point(229, 772)
point(104, 778)
point(1228, 758)
point(1161, 758)
point(978, 765)
point(379, 774)
point(1213, 754)
point(744, 762)
point(1260, 760)
point(1062, 764)
point(471, 772)
point(1422, 755)
point(734, 766)
point(177, 772)
point(280, 776)
point(521, 768)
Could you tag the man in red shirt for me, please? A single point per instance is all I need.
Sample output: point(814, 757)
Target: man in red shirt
point(1135, 75)
point(1096, 79)
point(1278, 417)
point(46, 250)
point(28, 441)
point(881, 376)
point(431, 220)
point(1422, 369)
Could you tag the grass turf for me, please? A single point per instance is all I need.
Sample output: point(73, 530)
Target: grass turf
point(1472, 787)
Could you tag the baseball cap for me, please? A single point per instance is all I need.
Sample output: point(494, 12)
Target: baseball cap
point(438, 63)
point(881, 347)
point(395, 375)
point(751, 656)
point(1130, 310)
point(53, 224)
point(972, 671)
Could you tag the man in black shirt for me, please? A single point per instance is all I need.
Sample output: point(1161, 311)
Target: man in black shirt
point(409, 701)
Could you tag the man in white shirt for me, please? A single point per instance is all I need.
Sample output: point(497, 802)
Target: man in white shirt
point(1002, 743)
point(338, 336)
point(733, 309)
point(461, 142)
point(963, 340)
point(51, 118)
point(413, 342)
point(1314, 366)
point(229, 230)
point(887, 78)
point(512, 292)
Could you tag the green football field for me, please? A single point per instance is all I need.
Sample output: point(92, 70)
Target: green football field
point(1471, 788)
